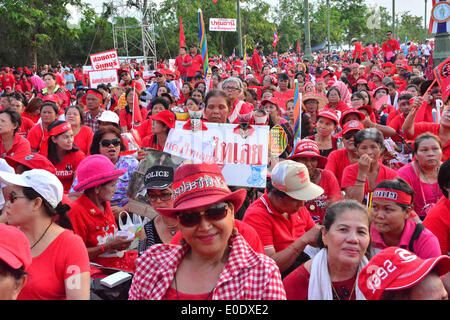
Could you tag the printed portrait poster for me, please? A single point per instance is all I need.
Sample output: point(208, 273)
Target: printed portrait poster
point(243, 155)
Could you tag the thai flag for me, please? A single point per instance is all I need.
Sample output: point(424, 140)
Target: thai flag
point(438, 27)
point(275, 38)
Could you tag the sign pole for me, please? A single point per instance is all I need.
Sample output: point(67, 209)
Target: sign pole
point(239, 26)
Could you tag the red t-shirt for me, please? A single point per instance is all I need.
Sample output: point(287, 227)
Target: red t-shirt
point(438, 222)
point(196, 65)
point(247, 232)
point(83, 139)
point(151, 142)
point(26, 126)
point(8, 80)
point(425, 113)
point(96, 227)
point(65, 170)
point(145, 128)
point(64, 257)
point(351, 173)
point(397, 124)
point(338, 160)
point(332, 193)
point(125, 118)
point(393, 44)
point(357, 53)
point(179, 65)
point(36, 136)
point(35, 119)
point(19, 149)
point(297, 282)
point(172, 294)
point(273, 228)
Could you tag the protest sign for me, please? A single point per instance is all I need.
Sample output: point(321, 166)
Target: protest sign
point(243, 158)
point(219, 24)
point(105, 60)
point(103, 76)
point(277, 141)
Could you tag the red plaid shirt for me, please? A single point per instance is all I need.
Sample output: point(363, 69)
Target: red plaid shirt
point(246, 276)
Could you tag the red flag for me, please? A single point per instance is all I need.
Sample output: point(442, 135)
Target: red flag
point(298, 46)
point(441, 72)
point(182, 41)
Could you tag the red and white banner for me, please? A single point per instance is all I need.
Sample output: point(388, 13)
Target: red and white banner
point(103, 76)
point(220, 24)
point(105, 60)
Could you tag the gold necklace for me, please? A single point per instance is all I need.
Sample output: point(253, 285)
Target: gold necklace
point(336, 293)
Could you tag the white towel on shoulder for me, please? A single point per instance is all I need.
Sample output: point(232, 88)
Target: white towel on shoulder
point(319, 281)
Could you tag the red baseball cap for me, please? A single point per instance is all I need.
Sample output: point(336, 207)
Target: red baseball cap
point(272, 100)
point(14, 247)
point(167, 117)
point(32, 161)
point(394, 269)
point(366, 107)
point(201, 185)
point(351, 111)
point(378, 74)
point(307, 148)
point(387, 64)
point(352, 125)
point(329, 115)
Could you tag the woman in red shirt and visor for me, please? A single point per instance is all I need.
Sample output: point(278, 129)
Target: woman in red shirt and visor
point(62, 152)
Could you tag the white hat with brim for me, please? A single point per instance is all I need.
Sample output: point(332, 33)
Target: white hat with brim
point(293, 179)
point(41, 181)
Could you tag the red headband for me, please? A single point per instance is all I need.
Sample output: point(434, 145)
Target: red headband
point(392, 195)
point(63, 127)
point(98, 95)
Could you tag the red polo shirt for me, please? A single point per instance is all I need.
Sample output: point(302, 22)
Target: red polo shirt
point(19, 149)
point(65, 170)
point(273, 228)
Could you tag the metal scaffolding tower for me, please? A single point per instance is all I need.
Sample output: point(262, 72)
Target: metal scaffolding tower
point(145, 44)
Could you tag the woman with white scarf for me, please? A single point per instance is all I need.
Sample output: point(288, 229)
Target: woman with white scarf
point(332, 274)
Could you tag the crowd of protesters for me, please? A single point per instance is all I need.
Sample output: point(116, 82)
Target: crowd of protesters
point(358, 208)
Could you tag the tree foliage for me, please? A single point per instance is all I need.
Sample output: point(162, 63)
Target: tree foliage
point(38, 29)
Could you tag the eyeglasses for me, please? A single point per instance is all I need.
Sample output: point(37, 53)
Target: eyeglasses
point(231, 89)
point(162, 197)
point(159, 75)
point(12, 197)
point(106, 143)
point(214, 213)
point(349, 135)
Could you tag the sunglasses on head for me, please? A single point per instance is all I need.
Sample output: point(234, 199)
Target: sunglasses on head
point(214, 213)
point(106, 142)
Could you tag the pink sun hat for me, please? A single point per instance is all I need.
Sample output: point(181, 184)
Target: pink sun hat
point(96, 170)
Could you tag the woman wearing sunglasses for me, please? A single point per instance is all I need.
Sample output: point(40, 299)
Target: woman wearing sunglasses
point(59, 257)
point(107, 141)
point(158, 182)
point(92, 217)
point(214, 262)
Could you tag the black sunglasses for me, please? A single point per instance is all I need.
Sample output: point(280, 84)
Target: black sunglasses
point(349, 135)
point(13, 197)
point(106, 143)
point(214, 213)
